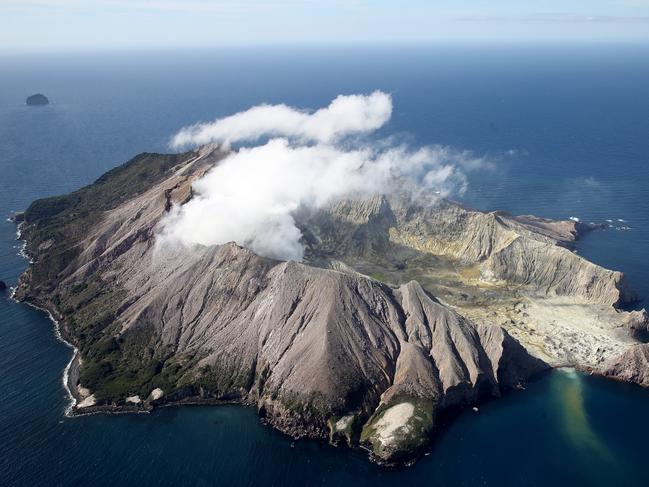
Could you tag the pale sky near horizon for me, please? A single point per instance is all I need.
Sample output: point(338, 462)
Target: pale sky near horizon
point(117, 24)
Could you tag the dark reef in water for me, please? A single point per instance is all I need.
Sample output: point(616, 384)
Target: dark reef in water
point(37, 99)
point(17, 217)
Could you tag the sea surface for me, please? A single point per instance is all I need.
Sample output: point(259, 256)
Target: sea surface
point(567, 131)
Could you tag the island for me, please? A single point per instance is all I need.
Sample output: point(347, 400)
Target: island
point(398, 313)
point(37, 100)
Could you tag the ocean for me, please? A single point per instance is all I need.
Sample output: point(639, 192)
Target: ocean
point(567, 130)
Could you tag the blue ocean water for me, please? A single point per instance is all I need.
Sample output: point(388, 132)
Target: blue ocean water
point(568, 131)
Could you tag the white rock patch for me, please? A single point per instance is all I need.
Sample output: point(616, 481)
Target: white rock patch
point(156, 394)
point(134, 399)
point(393, 420)
point(344, 423)
point(87, 402)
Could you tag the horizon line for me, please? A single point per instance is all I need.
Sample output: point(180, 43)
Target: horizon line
point(474, 42)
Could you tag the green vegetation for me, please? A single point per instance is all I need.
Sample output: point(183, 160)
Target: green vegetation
point(62, 221)
point(380, 276)
point(61, 214)
point(112, 368)
point(220, 382)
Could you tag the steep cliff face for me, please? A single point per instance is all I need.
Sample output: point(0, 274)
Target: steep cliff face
point(349, 345)
point(631, 366)
point(523, 250)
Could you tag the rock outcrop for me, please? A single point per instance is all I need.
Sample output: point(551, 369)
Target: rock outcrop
point(631, 366)
point(365, 342)
point(37, 99)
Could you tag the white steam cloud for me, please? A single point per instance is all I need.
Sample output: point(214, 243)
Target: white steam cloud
point(251, 196)
point(344, 116)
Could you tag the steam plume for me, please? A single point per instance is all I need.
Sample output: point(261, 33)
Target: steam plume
point(345, 115)
point(252, 195)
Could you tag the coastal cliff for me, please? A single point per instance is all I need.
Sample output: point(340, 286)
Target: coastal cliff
point(631, 366)
point(399, 311)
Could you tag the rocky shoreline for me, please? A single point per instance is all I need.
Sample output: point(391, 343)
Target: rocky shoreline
point(70, 380)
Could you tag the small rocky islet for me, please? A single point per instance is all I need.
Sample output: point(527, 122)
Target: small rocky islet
point(37, 99)
point(398, 313)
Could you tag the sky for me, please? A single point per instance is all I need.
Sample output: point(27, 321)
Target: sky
point(118, 24)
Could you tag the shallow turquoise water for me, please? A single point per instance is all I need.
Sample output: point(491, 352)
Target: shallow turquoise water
point(577, 121)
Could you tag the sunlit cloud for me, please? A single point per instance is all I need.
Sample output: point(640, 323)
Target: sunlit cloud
point(252, 197)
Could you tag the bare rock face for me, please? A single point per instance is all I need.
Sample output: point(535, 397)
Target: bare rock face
point(524, 250)
point(631, 366)
point(393, 317)
point(638, 324)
